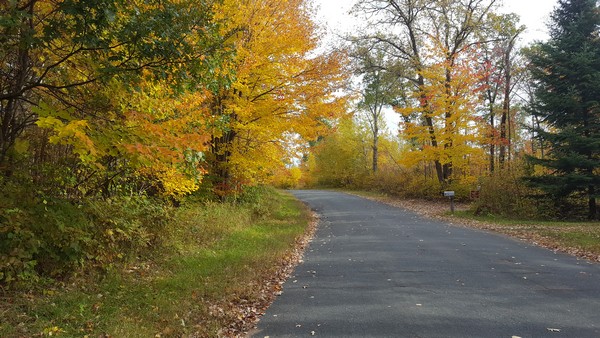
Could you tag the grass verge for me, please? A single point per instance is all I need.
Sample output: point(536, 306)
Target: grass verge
point(577, 238)
point(216, 273)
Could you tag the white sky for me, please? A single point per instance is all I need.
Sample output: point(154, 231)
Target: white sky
point(534, 14)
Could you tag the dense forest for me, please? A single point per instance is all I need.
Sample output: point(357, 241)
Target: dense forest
point(113, 112)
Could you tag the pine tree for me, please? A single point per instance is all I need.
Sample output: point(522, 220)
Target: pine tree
point(566, 70)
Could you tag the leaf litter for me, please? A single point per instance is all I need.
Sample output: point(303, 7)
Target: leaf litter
point(246, 314)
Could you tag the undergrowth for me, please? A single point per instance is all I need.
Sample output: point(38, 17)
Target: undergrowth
point(186, 270)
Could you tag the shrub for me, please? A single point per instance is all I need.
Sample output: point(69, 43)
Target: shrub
point(260, 199)
point(406, 183)
point(125, 227)
point(504, 194)
point(45, 237)
point(39, 236)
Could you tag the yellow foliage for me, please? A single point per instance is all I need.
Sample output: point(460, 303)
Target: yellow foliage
point(283, 92)
point(164, 129)
point(286, 178)
point(342, 158)
point(173, 182)
point(71, 133)
point(445, 106)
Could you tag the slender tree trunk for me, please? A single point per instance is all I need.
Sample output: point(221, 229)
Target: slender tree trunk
point(376, 113)
point(10, 126)
point(375, 151)
point(450, 126)
point(492, 145)
point(502, 153)
point(592, 208)
point(439, 169)
point(505, 120)
point(429, 122)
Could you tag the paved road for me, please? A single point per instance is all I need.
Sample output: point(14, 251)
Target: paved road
point(377, 271)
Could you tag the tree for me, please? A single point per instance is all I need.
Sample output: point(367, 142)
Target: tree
point(567, 74)
point(283, 92)
point(60, 60)
point(429, 38)
point(499, 67)
point(342, 158)
point(452, 94)
point(380, 88)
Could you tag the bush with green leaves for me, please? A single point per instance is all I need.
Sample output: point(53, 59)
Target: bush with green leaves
point(46, 237)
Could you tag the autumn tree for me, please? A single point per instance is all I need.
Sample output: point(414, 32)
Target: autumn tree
point(567, 72)
point(79, 70)
point(283, 91)
point(501, 74)
point(430, 41)
point(341, 159)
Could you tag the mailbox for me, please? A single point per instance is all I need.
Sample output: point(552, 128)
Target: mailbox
point(450, 195)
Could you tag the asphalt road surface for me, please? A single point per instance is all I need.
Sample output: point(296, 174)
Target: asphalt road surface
point(373, 270)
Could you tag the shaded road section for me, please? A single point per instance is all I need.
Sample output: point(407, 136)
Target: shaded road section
point(374, 270)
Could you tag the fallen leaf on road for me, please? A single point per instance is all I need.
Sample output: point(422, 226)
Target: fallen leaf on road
point(553, 330)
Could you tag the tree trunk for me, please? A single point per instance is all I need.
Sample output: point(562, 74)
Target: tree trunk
point(450, 126)
point(375, 153)
point(592, 208)
point(376, 112)
point(492, 140)
point(502, 153)
point(429, 122)
point(505, 120)
point(438, 166)
point(447, 172)
point(439, 171)
point(10, 126)
point(221, 152)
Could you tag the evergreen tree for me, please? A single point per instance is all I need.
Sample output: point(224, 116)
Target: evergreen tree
point(566, 70)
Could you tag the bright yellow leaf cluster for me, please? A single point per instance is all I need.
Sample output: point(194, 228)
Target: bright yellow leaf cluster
point(283, 88)
point(448, 99)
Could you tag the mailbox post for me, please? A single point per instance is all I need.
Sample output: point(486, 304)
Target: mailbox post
point(450, 195)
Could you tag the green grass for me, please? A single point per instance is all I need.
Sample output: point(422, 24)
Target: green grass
point(507, 221)
point(582, 238)
point(216, 256)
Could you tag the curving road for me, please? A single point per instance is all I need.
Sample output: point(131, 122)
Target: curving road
point(373, 270)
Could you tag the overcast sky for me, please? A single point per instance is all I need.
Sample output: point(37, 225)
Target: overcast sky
point(534, 14)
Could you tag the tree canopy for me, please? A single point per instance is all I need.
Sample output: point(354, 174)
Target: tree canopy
point(566, 71)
